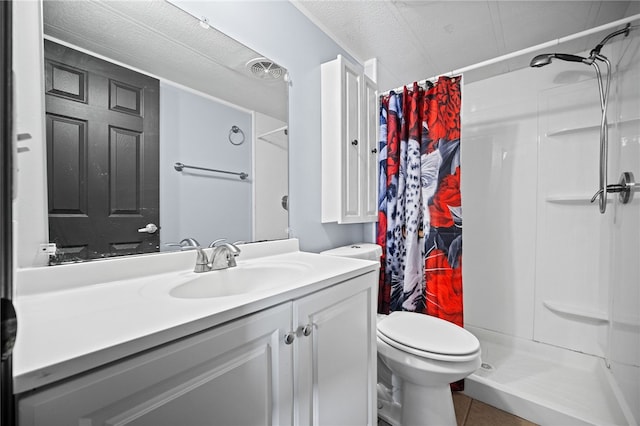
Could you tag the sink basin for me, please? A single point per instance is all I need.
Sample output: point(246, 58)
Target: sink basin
point(242, 279)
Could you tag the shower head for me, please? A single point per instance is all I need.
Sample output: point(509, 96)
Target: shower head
point(545, 59)
point(541, 60)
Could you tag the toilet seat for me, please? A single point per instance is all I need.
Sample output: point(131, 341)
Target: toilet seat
point(427, 355)
point(428, 337)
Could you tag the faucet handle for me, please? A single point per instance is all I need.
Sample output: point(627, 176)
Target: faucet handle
point(185, 244)
point(192, 242)
point(216, 242)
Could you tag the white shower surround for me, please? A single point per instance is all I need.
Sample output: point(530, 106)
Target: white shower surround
point(533, 242)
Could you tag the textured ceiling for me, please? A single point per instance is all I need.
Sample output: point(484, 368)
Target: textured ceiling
point(158, 38)
point(411, 39)
point(414, 40)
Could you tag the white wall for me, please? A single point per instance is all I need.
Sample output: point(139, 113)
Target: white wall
point(624, 337)
point(282, 33)
point(498, 160)
point(541, 263)
point(30, 208)
point(194, 130)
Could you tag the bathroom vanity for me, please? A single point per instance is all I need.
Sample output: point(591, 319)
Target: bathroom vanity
point(292, 343)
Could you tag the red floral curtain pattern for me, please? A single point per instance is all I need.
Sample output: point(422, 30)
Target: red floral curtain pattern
point(420, 214)
point(419, 205)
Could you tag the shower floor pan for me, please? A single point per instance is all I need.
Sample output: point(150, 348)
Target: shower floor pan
point(544, 384)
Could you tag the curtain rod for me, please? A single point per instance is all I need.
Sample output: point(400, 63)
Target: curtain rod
point(527, 50)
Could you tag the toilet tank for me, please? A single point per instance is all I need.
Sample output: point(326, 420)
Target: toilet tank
point(367, 251)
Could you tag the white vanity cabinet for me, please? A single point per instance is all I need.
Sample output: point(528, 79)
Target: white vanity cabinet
point(235, 374)
point(265, 368)
point(349, 143)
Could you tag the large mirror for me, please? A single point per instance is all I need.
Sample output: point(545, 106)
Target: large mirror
point(159, 128)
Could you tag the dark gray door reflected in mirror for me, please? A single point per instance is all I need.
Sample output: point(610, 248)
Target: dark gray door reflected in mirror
point(102, 156)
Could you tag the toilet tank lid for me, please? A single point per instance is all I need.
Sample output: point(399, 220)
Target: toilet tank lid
point(427, 333)
point(368, 251)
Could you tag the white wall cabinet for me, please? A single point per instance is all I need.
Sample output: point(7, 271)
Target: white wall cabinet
point(349, 143)
point(245, 372)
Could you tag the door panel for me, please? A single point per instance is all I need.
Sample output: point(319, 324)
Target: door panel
point(67, 165)
point(66, 82)
point(125, 98)
point(214, 394)
point(124, 171)
point(103, 153)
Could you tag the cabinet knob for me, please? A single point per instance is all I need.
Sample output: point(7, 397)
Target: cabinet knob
point(289, 338)
point(307, 329)
point(354, 142)
point(374, 150)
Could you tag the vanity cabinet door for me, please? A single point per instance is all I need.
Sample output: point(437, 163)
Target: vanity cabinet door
point(336, 355)
point(235, 374)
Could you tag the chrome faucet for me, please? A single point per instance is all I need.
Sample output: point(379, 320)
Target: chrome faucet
point(223, 256)
point(202, 261)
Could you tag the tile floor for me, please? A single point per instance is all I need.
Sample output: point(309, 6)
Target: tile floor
point(471, 412)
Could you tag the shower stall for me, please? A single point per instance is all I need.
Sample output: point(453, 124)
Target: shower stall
point(551, 284)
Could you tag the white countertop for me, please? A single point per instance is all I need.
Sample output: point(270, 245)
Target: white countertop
point(72, 318)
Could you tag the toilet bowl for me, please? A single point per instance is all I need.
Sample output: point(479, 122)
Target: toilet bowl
point(418, 357)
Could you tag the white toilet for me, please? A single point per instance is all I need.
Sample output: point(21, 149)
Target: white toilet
point(418, 356)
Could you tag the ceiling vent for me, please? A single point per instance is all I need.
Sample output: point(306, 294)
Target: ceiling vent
point(264, 69)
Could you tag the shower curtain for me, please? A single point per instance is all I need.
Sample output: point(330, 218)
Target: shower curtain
point(420, 213)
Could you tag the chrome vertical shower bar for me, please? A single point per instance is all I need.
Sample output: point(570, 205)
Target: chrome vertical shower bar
point(604, 131)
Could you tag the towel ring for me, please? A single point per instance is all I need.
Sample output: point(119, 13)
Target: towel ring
point(234, 131)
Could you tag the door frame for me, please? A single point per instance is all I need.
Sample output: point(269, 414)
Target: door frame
point(7, 407)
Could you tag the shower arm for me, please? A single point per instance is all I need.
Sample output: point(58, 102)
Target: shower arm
point(596, 50)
